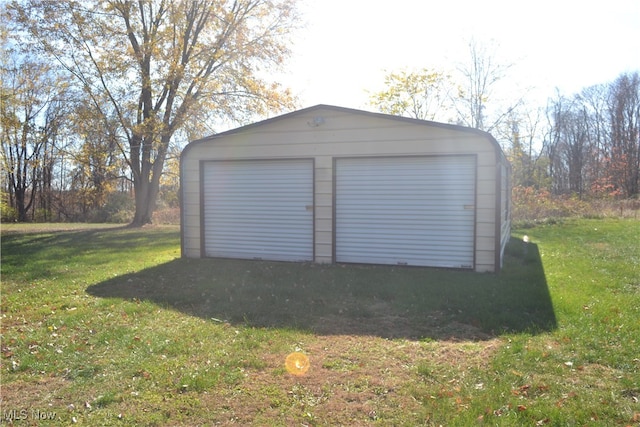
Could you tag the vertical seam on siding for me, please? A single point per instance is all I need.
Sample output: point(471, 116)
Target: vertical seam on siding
point(333, 209)
point(497, 217)
point(202, 242)
point(475, 213)
point(182, 215)
point(313, 203)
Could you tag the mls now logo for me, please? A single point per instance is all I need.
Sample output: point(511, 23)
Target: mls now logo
point(24, 414)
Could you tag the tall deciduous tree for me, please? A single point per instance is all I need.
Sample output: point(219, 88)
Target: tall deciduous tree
point(570, 150)
point(152, 63)
point(522, 131)
point(31, 114)
point(624, 110)
point(96, 159)
point(422, 94)
point(593, 102)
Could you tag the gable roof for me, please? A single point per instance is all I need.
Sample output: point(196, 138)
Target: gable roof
point(325, 107)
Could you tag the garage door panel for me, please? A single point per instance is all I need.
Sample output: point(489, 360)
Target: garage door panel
point(408, 210)
point(259, 209)
point(385, 238)
point(435, 211)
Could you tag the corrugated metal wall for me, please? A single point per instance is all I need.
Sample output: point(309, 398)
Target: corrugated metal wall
point(505, 208)
point(259, 209)
point(406, 210)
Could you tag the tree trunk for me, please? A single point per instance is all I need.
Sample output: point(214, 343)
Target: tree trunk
point(144, 203)
point(147, 187)
point(21, 206)
point(146, 197)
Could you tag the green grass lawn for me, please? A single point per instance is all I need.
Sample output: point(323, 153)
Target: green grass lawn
point(109, 326)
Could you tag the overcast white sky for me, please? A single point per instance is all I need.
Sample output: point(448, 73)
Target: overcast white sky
point(347, 45)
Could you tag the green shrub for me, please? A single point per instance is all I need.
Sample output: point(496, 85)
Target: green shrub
point(118, 209)
point(7, 213)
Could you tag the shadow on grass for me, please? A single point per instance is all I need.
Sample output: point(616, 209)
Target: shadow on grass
point(385, 301)
point(30, 243)
point(47, 246)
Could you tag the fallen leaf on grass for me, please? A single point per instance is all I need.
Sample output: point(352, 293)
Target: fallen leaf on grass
point(6, 352)
point(501, 411)
point(521, 391)
point(560, 402)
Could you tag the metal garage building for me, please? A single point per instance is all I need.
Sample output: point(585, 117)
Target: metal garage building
point(330, 184)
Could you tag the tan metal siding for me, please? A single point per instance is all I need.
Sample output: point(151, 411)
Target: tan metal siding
point(344, 133)
point(505, 209)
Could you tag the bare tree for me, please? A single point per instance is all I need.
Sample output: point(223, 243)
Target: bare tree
point(593, 100)
point(524, 131)
point(575, 144)
point(479, 79)
point(624, 110)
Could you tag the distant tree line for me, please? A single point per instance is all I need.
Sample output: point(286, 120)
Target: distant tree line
point(585, 145)
point(593, 147)
point(86, 132)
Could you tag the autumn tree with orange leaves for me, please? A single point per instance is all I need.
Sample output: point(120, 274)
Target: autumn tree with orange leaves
point(156, 68)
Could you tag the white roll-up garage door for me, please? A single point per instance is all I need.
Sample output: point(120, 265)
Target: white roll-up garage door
point(259, 209)
point(406, 210)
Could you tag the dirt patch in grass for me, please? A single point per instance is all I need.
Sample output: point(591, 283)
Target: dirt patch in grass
point(40, 393)
point(353, 380)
